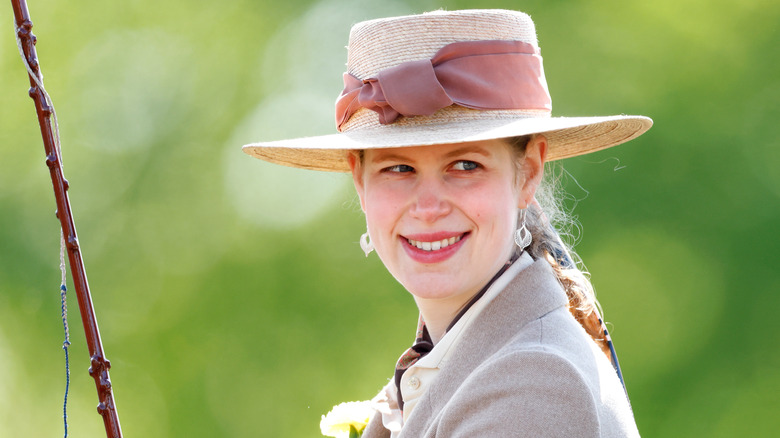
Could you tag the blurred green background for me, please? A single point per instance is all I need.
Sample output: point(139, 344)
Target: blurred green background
point(232, 295)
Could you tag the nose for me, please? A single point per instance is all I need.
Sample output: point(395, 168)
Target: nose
point(430, 202)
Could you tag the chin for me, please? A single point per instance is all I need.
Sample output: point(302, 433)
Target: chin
point(434, 289)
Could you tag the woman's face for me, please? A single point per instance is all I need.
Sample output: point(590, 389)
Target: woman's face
point(442, 218)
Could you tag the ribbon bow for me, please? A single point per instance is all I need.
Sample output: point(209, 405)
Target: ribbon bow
point(491, 74)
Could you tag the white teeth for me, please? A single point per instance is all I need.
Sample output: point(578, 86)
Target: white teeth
point(433, 246)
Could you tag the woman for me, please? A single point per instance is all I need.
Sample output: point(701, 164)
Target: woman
point(445, 126)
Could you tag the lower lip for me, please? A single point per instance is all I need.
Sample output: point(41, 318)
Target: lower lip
point(431, 257)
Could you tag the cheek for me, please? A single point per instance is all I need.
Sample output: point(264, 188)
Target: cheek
point(382, 207)
point(495, 209)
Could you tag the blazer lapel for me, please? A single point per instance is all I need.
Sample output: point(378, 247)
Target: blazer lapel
point(532, 294)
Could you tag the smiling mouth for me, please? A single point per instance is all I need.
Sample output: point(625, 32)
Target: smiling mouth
point(435, 245)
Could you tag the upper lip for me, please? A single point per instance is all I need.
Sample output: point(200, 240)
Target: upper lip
point(433, 237)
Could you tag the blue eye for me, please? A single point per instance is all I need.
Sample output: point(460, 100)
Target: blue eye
point(400, 168)
point(465, 165)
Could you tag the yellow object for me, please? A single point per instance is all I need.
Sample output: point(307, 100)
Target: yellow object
point(337, 422)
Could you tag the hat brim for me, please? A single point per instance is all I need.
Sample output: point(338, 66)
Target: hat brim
point(567, 137)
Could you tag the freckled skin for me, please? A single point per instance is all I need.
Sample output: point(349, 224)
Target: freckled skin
point(427, 193)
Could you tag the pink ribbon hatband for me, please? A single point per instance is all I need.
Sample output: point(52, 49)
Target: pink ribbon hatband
point(492, 74)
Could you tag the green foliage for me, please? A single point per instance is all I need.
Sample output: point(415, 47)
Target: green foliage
point(353, 433)
point(221, 283)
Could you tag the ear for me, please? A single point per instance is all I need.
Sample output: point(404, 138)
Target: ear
point(533, 168)
point(357, 177)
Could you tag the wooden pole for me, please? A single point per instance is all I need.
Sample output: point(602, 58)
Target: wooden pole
point(99, 365)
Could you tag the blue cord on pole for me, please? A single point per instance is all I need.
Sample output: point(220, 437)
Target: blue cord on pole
point(65, 345)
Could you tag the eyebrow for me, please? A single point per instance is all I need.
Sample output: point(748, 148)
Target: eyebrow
point(468, 149)
point(454, 153)
point(379, 158)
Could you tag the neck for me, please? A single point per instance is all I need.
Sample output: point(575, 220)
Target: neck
point(438, 314)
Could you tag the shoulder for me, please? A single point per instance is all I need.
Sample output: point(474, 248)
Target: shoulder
point(547, 381)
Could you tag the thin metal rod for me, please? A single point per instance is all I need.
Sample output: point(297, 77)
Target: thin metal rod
point(99, 364)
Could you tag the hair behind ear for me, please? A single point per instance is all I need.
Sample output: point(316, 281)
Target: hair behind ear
point(355, 160)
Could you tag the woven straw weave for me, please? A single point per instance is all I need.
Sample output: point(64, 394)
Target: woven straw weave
point(376, 45)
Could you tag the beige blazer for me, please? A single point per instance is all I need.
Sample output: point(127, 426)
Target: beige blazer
point(524, 368)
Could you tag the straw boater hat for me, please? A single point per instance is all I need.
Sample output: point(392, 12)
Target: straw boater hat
point(446, 77)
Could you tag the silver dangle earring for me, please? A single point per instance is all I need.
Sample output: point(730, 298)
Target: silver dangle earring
point(522, 235)
point(365, 245)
